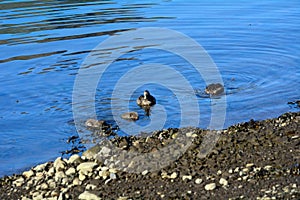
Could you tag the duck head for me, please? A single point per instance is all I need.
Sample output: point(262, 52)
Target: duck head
point(146, 93)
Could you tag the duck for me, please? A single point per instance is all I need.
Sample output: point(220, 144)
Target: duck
point(214, 89)
point(146, 100)
point(130, 116)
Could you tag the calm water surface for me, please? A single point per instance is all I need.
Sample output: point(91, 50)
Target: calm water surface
point(255, 45)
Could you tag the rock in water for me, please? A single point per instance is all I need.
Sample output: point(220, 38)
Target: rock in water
point(97, 124)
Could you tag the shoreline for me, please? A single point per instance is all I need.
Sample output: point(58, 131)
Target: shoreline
point(255, 159)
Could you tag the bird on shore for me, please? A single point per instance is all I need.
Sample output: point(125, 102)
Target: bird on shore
point(146, 100)
point(214, 89)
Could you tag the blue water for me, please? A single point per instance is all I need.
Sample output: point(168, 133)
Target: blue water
point(254, 44)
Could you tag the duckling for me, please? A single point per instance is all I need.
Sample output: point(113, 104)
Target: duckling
point(214, 89)
point(146, 100)
point(130, 116)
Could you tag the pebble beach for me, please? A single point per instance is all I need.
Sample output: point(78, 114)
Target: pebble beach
point(251, 160)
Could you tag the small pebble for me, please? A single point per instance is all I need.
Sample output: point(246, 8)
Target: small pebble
point(236, 169)
point(76, 181)
point(145, 172)
point(210, 186)
point(223, 182)
point(112, 176)
point(90, 187)
point(81, 177)
point(173, 175)
point(268, 167)
point(198, 181)
point(249, 165)
point(19, 182)
point(186, 177)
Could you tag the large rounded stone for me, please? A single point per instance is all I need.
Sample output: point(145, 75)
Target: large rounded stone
point(70, 171)
point(28, 174)
point(90, 153)
point(86, 167)
point(75, 159)
point(19, 182)
point(40, 167)
point(59, 164)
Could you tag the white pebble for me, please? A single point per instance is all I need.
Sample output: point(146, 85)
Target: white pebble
point(86, 167)
point(249, 165)
point(186, 177)
point(236, 169)
point(90, 187)
point(198, 181)
point(210, 186)
point(19, 182)
point(28, 174)
point(76, 181)
point(268, 167)
point(70, 171)
point(59, 164)
point(113, 176)
point(145, 172)
point(105, 151)
point(73, 158)
point(223, 182)
point(173, 175)
point(40, 167)
point(81, 177)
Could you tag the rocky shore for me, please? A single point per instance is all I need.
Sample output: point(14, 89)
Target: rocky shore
point(252, 160)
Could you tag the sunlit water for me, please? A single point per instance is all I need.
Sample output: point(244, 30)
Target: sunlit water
point(255, 45)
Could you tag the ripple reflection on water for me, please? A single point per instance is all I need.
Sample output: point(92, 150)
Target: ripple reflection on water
point(43, 43)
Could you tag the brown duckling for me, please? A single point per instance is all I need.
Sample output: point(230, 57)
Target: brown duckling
point(214, 89)
point(130, 116)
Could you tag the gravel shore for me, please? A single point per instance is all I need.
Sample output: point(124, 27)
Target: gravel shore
point(252, 160)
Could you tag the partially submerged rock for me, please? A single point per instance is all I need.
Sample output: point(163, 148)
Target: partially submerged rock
point(100, 127)
point(130, 116)
point(297, 103)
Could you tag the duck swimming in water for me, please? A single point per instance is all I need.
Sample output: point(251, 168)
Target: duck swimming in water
point(214, 89)
point(130, 116)
point(146, 100)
